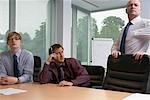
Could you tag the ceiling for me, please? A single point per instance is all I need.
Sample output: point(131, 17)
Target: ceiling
point(99, 5)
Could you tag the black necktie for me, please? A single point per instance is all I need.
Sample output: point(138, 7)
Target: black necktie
point(122, 45)
point(61, 74)
point(16, 71)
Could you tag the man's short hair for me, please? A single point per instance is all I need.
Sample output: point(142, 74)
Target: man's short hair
point(53, 47)
point(11, 34)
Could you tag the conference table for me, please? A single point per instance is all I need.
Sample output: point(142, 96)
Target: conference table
point(36, 91)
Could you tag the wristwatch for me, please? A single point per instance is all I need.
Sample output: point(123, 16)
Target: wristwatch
point(18, 81)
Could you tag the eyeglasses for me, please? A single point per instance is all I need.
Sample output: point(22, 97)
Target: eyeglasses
point(14, 38)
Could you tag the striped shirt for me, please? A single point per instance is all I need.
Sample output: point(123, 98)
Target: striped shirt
point(25, 64)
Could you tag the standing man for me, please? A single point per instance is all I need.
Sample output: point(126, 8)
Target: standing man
point(129, 42)
point(63, 71)
point(16, 64)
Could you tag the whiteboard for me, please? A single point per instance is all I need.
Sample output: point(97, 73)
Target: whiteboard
point(101, 49)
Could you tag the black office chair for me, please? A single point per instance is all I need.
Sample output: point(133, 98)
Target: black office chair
point(37, 68)
point(127, 74)
point(96, 75)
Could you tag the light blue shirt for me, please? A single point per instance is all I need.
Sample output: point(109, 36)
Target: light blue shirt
point(135, 43)
point(25, 65)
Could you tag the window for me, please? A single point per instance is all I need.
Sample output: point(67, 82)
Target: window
point(81, 28)
point(82, 36)
point(4, 23)
point(106, 26)
point(31, 17)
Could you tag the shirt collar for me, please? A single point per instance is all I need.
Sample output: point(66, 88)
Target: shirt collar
point(63, 64)
point(17, 53)
point(135, 20)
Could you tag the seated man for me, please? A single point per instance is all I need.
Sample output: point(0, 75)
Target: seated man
point(64, 71)
point(16, 64)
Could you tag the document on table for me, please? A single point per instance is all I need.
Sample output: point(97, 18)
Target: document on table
point(138, 96)
point(9, 91)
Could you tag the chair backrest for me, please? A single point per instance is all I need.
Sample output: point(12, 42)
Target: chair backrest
point(96, 75)
point(37, 68)
point(127, 74)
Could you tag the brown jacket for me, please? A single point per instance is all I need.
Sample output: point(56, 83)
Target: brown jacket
point(74, 72)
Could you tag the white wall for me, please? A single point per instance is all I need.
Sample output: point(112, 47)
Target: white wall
point(67, 23)
point(60, 12)
point(145, 9)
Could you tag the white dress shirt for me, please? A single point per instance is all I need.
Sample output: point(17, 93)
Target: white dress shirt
point(135, 43)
